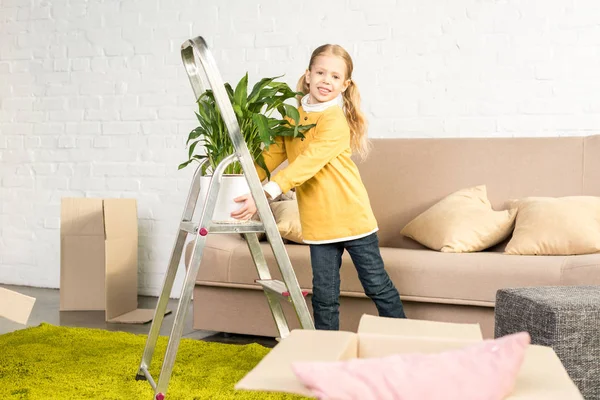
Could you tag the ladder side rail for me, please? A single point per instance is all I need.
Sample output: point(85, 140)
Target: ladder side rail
point(275, 240)
point(190, 277)
point(188, 57)
point(169, 278)
point(264, 273)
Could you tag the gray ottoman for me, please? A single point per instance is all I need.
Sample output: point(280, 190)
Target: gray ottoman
point(566, 318)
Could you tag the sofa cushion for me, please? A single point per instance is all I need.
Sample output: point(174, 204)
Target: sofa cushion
point(419, 274)
point(463, 221)
point(556, 226)
point(475, 277)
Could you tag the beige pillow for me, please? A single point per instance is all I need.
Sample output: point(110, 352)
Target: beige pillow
point(464, 221)
point(556, 226)
point(287, 218)
point(289, 195)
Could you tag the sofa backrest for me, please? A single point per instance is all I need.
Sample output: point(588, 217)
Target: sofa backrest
point(404, 177)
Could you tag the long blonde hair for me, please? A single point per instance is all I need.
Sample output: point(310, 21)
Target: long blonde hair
point(357, 122)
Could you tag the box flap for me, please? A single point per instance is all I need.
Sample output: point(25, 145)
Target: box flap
point(138, 316)
point(81, 217)
point(15, 306)
point(121, 277)
point(274, 372)
point(372, 345)
point(418, 328)
point(120, 218)
point(543, 377)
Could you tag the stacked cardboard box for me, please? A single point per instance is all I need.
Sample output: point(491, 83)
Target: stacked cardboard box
point(99, 258)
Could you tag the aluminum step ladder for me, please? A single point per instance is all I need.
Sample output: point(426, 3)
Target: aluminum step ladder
point(198, 59)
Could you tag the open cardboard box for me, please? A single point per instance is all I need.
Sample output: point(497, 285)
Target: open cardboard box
point(99, 258)
point(15, 306)
point(542, 375)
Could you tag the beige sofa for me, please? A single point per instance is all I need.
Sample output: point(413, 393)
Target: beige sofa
point(404, 177)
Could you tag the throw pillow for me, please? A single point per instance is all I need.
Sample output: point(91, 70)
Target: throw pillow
point(287, 217)
point(556, 226)
point(486, 370)
point(463, 221)
point(289, 195)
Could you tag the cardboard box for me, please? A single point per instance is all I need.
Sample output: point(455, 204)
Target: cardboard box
point(15, 306)
point(542, 375)
point(99, 258)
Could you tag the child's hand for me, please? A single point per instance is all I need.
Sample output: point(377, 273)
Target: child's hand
point(247, 210)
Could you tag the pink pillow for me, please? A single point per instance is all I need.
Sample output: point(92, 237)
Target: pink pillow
point(483, 371)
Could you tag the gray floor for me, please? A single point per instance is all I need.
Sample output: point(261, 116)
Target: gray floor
point(46, 309)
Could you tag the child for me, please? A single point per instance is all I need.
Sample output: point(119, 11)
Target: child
point(335, 211)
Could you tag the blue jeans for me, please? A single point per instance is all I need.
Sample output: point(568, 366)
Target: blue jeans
point(326, 260)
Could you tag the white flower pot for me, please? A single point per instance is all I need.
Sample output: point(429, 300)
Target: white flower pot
point(232, 186)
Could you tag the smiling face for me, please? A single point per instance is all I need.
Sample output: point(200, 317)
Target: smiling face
point(326, 78)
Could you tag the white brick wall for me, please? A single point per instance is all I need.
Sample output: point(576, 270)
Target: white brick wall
point(94, 100)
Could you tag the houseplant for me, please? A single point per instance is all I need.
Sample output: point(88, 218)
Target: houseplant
point(254, 112)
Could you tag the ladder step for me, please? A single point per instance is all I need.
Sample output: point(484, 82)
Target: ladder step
point(277, 287)
point(223, 227)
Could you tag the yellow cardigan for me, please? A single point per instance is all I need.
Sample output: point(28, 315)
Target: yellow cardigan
point(332, 199)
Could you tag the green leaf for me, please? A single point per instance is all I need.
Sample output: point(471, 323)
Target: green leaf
point(185, 164)
point(281, 110)
point(204, 110)
point(284, 90)
point(194, 158)
point(192, 147)
point(194, 134)
point(261, 163)
point(229, 91)
point(292, 112)
point(266, 96)
point(241, 92)
point(263, 128)
point(273, 103)
point(273, 122)
point(201, 118)
point(304, 128)
point(283, 130)
point(238, 111)
point(291, 130)
point(257, 90)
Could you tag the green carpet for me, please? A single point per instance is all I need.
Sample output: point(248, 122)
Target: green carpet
point(50, 362)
